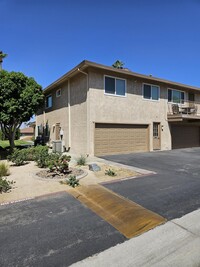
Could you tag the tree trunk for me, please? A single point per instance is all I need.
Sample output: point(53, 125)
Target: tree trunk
point(10, 132)
point(11, 139)
point(12, 142)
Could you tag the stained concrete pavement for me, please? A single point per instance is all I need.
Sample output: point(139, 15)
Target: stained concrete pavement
point(176, 243)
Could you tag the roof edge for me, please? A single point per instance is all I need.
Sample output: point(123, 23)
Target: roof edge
point(86, 63)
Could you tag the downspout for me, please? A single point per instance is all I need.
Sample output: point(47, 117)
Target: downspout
point(69, 116)
point(44, 119)
point(88, 111)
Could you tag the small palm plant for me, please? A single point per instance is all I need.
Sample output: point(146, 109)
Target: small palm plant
point(2, 56)
point(118, 64)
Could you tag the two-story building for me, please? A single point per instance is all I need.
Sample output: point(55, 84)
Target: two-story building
point(99, 110)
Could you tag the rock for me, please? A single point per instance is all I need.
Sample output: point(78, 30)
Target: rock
point(94, 167)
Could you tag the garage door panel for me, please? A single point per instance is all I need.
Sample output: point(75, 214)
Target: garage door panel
point(184, 136)
point(116, 138)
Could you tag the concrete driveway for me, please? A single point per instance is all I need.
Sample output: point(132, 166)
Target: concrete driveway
point(173, 191)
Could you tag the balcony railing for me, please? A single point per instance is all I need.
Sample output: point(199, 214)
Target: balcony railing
point(187, 109)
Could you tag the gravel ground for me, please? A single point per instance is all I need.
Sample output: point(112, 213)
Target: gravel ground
point(29, 185)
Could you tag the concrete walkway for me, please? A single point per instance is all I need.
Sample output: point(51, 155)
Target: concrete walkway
point(176, 243)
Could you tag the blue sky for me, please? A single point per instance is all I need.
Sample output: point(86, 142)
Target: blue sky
point(46, 38)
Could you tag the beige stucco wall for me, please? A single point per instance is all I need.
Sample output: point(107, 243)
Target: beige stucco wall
point(78, 96)
point(131, 109)
point(57, 114)
point(76, 139)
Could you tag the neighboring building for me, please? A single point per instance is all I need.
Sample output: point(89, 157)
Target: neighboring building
point(27, 133)
point(101, 110)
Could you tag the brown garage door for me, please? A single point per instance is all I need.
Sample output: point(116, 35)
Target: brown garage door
point(184, 136)
point(120, 138)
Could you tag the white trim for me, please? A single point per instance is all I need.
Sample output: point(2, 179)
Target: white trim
point(58, 95)
point(172, 89)
point(116, 78)
point(150, 99)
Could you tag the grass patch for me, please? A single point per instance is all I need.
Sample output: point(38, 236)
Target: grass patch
point(6, 144)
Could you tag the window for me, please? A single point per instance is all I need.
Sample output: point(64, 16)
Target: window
point(58, 93)
point(151, 92)
point(115, 86)
point(191, 97)
point(49, 101)
point(176, 96)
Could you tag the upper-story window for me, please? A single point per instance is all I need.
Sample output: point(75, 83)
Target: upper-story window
point(115, 86)
point(58, 93)
point(48, 101)
point(176, 96)
point(151, 92)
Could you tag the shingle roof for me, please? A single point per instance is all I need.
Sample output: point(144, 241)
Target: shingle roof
point(29, 130)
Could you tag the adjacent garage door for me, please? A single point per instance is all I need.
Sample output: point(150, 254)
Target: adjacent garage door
point(185, 136)
point(120, 138)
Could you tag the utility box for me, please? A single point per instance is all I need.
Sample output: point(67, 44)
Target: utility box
point(57, 146)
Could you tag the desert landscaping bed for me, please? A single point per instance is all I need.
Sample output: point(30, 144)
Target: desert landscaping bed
point(121, 173)
point(32, 181)
point(46, 174)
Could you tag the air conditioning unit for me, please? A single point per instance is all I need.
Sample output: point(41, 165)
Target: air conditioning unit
point(57, 146)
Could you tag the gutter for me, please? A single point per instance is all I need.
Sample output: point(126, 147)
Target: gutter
point(86, 63)
point(69, 116)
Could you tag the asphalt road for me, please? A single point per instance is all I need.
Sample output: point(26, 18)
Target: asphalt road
point(174, 191)
point(58, 230)
point(52, 231)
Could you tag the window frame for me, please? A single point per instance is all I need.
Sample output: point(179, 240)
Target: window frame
point(150, 99)
point(116, 78)
point(46, 107)
point(172, 89)
point(58, 90)
point(156, 130)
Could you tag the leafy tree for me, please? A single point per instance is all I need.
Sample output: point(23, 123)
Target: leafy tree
point(20, 98)
point(118, 64)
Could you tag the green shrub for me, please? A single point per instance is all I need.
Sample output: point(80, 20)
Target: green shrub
point(29, 153)
point(52, 161)
point(59, 163)
point(81, 161)
point(4, 169)
point(21, 156)
point(63, 163)
point(5, 185)
point(18, 157)
point(71, 181)
point(41, 156)
point(110, 172)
